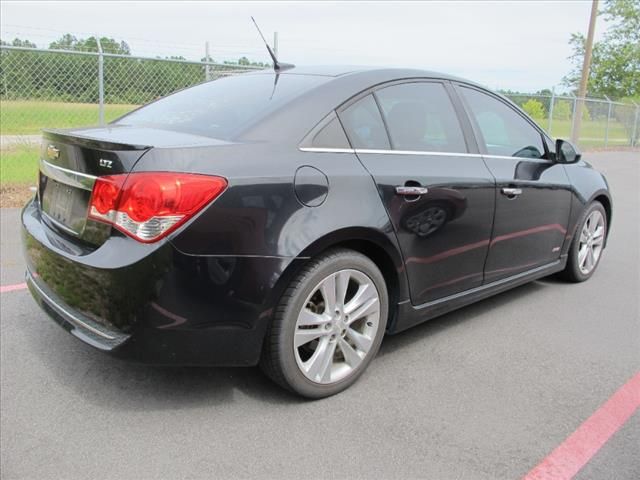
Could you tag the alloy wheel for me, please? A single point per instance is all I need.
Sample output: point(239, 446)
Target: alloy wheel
point(336, 328)
point(591, 242)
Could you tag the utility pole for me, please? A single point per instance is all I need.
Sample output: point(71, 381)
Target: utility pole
point(275, 44)
point(586, 66)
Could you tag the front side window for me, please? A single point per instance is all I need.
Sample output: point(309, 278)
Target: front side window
point(504, 131)
point(421, 117)
point(364, 125)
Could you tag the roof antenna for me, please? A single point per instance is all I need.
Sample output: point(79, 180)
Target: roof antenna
point(276, 65)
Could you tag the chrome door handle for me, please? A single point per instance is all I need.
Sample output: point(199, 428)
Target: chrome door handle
point(411, 191)
point(511, 192)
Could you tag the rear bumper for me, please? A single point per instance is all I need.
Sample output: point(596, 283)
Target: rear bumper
point(151, 303)
point(74, 322)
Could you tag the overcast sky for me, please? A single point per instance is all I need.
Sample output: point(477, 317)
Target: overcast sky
point(518, 45)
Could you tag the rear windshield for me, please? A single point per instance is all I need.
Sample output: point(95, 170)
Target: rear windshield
point(223, 107)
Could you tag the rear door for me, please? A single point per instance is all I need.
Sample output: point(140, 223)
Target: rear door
point(533, 193)
point(436, 188)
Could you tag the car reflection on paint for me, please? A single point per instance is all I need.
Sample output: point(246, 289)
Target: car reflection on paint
point(532, 171)
point(439, 207)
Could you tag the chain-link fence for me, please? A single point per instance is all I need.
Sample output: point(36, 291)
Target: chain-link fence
point(604, 122)
point(58, 89)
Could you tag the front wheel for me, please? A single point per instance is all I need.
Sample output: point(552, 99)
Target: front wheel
point(328, 326)
point(587, 244)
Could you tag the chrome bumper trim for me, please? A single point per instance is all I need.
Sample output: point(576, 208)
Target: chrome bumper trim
point(67, 315)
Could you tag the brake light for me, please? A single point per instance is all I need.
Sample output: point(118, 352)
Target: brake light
point(149, 205)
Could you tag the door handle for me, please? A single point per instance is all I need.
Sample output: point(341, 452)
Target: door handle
point(411, 191)
point(511, 192)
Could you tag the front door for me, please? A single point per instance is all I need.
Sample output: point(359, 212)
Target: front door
point(532, 193)
point(439, 196)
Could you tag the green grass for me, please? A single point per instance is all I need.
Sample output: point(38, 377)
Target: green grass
point(19, 117)
point(591, 131)
point(19, 165)
point(19, 162)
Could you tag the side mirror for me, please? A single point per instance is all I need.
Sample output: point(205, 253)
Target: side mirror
point(566, 152)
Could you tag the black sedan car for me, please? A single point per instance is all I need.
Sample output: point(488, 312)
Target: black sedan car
point(292, 218)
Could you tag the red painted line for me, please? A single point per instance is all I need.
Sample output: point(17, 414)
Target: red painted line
point(484, 243)
point(175, 318)
point(448, 253)
point(11, 288)
point(451, 282)
point(529, 231)
point(572, 454)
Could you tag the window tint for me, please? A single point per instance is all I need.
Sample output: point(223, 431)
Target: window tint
point(364, 125)
point(505, 132)
point(221, 108)
point(420, 116)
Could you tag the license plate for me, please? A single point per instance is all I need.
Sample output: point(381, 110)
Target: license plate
point(60, 202)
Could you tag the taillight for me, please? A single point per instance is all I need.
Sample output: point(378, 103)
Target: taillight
point(149, 205)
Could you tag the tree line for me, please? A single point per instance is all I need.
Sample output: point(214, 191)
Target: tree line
point(614, 73)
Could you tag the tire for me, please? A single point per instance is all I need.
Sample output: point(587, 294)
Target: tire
point(577, 270)
point(309, 347)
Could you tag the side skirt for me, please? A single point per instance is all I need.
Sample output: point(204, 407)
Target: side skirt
point(410, 315)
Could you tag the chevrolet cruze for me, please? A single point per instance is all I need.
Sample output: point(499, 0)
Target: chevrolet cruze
point(293, 218)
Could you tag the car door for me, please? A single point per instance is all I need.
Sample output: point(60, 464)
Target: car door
point(437, 190)
point(533, 193)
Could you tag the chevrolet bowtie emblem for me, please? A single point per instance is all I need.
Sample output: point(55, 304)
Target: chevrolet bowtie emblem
point(52, 152)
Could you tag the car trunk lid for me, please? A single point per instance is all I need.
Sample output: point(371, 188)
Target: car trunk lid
point(72, 160)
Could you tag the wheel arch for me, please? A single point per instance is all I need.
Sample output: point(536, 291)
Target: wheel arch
point(373, 244)
point(604, 198)
point(606, 203)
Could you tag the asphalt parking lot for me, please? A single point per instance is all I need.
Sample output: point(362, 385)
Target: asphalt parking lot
point(486, 392)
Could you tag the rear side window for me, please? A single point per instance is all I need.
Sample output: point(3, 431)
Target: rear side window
point(364, 125)
point(331, 135)
point(504, 131)
point(222, 108)
point(420, 116)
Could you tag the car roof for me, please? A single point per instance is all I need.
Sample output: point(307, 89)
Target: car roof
point(364, 76)
point(360, 70)
point(321, 70)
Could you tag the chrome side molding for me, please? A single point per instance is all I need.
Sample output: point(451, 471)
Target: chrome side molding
point(401, 152)
point(326, 150)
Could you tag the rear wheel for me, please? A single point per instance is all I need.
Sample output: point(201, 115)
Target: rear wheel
point(328, 326)
point(587, 244)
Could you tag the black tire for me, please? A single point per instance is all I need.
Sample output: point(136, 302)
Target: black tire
point(278, 356)
point(572, 272)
